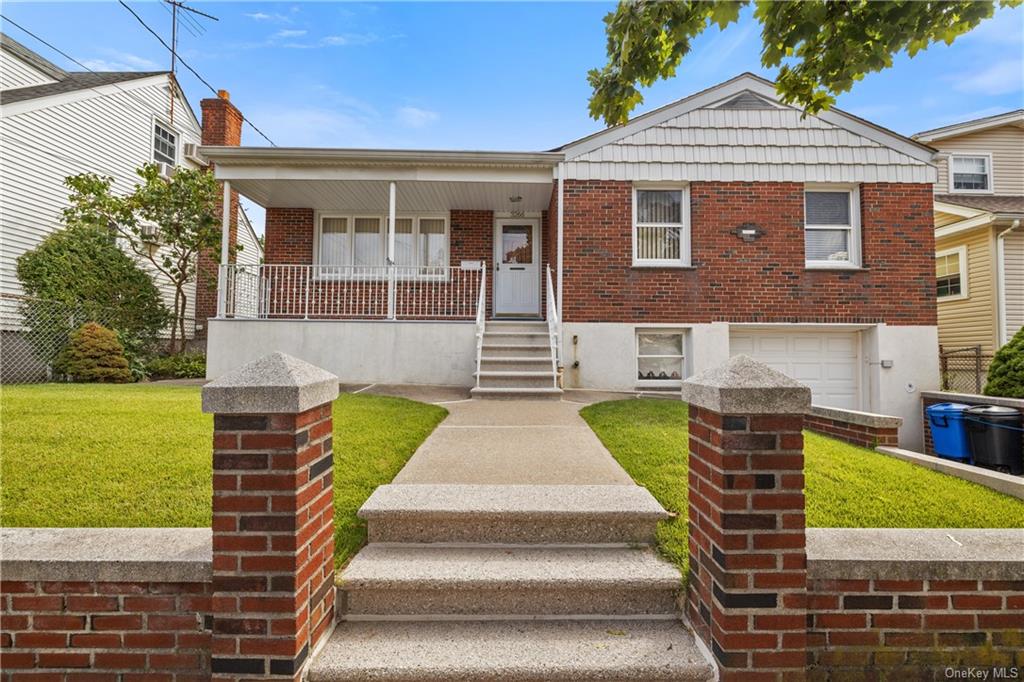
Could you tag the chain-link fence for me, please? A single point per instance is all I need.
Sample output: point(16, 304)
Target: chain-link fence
point(34, 331)
point(964, 370)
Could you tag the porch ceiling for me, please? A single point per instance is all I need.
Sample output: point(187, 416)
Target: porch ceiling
point(371, 196)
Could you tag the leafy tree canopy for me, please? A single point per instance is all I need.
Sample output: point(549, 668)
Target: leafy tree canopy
point(820, 47)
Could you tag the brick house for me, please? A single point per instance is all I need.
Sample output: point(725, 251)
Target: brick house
point(723, 223)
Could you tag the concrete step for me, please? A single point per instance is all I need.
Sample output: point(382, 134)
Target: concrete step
point(526, 514)
point(515, 364)
point(519, 651)
point(387, 580)
point(516, 393)
point(491, 350)
point(517, 379)
point(517, 326)
point(525, 338)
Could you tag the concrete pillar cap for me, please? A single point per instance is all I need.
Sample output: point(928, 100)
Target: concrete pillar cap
point(274, 384)
point(745, 386)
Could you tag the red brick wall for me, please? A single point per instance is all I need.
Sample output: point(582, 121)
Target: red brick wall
point(913, 629)
point(857, 434)
point(222, 125)
point(138, 630)
point(736, 281)
point(288, 236)
point(472, 238)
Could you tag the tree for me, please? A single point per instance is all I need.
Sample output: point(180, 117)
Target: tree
point(165, 221)
point(94, 354)
point(826, 45)
point(1006, 373)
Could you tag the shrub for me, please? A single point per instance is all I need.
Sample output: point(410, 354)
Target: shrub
point(94, 354)
point(1006, 373)
point(180, 366)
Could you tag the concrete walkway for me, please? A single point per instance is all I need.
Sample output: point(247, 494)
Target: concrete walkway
point(511, 442)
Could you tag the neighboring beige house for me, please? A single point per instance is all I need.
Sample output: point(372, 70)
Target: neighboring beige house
point(979, 239)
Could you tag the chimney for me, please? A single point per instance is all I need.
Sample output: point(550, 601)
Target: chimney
point(222, 126)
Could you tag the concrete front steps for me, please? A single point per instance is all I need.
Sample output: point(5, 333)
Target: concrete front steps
point(509, 582)
point(516, 362)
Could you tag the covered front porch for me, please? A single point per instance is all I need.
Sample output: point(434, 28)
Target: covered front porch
point(371, 257)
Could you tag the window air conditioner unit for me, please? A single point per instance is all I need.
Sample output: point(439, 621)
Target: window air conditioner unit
point(166, 170)
point(191, 152)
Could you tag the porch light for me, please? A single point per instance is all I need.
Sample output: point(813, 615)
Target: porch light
point(517, 211)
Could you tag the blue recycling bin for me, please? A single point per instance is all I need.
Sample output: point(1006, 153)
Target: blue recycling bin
point(949, 430)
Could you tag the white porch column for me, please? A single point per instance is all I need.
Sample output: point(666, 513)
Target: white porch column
point(391, 250)
point(225, 251)
point(561, 213)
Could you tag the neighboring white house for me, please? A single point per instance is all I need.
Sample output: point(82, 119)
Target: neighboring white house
point(56, 123)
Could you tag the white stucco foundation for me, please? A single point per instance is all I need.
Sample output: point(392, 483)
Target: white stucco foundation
point(441, 353)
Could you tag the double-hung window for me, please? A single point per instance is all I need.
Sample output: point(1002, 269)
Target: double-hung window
point(661, 226)
point(951, 273)
point(970, 173)
point(165, 144)
point(361, 240)
point(831, 227)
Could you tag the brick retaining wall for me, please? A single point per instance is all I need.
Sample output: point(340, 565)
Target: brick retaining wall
point(858, 428)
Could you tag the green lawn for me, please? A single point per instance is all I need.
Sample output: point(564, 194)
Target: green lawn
point(139, 455)
point(846, 486)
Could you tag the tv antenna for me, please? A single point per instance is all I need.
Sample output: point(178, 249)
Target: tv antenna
point(175, 6)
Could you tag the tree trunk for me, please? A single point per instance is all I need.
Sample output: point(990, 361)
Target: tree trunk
point(184, 308)
point(174, 322)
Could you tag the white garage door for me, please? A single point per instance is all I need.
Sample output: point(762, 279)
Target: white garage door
point(828, 362)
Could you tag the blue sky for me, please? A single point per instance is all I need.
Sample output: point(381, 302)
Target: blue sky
point(477, 75)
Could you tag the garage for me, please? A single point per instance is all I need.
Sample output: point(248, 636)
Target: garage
point(826, 361)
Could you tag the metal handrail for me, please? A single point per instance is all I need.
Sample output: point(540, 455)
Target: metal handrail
point(554, 327)
point(481, 320)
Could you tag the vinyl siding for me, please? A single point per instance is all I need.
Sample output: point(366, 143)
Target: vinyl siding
point(748, 145)
point(971, 321)
point(251, 253)
point(106, 134)
point(14, 73)
point(1013, 278)
point(1005, 144)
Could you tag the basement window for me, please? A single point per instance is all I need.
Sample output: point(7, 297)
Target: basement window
point(165, 144)
point(659, 357)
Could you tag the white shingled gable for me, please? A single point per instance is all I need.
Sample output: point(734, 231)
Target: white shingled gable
point(700, 139)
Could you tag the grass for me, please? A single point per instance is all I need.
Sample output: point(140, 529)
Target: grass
point(139, 456)
point(846, 486)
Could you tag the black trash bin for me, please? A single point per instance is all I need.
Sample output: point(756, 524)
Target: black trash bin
point(995, 433)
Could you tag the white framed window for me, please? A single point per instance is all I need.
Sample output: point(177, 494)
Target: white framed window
point(661, 226)
point(951, 274)
point(165, 144)
point(346, 239)
point(659, 357)
point(831, 226)
point(970, 173)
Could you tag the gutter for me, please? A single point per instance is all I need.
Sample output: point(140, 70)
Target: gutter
point(1001, 283)
point(317, 155)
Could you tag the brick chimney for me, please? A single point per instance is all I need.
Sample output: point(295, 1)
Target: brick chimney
point(222, 125)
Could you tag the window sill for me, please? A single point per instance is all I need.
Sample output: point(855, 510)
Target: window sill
point(951, 299)
point(972, 191)
point(662, 266)
point(835, 268)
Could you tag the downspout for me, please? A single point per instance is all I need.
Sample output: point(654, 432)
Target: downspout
point(561, 213)
point(1001, 284)
point(225, 251)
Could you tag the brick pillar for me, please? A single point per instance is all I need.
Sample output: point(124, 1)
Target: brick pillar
point(222, 126)
point(747, 588)
point(273, 518)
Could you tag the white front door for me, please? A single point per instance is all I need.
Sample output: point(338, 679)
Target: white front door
point(517, 266)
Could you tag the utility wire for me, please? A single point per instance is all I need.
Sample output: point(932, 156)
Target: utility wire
point(187, 66)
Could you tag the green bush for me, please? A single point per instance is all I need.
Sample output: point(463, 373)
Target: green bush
point(180, 366)
point(1006, 373)
point(94, 354)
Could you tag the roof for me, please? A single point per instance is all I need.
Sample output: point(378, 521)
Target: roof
point(77, 80)
point(1015, 117)
point(13, 47)
point(752, 84)
point(383, 157)
point(990, 203)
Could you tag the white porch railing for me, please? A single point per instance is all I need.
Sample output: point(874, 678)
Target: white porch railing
point(554, 326)
point(350, 292)
point(481, 322)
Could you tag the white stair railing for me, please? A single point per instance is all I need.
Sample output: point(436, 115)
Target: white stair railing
point(554, 327)
point(481, 320)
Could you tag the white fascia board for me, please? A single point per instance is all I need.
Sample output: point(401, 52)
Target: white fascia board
point(971, 126)
point(85, 93)
point(224, 171)
point(307, 156)
point(758, 86)
point(982, 220)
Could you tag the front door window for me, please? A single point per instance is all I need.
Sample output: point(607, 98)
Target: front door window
point(517, 244)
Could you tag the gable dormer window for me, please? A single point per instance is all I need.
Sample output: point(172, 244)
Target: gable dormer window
point(165, 144)
point(970, 173)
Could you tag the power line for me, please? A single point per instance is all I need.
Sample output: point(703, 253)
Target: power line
point(187, 66)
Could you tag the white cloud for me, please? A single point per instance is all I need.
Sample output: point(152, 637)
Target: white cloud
point(1000, 78)
point(290, 33)
point(263, 16)
point(115, 60)
point(414, 117)
point(258, 16)
point(350, 39)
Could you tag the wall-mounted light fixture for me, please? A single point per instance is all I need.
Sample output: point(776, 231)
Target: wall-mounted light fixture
point(749, 232)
